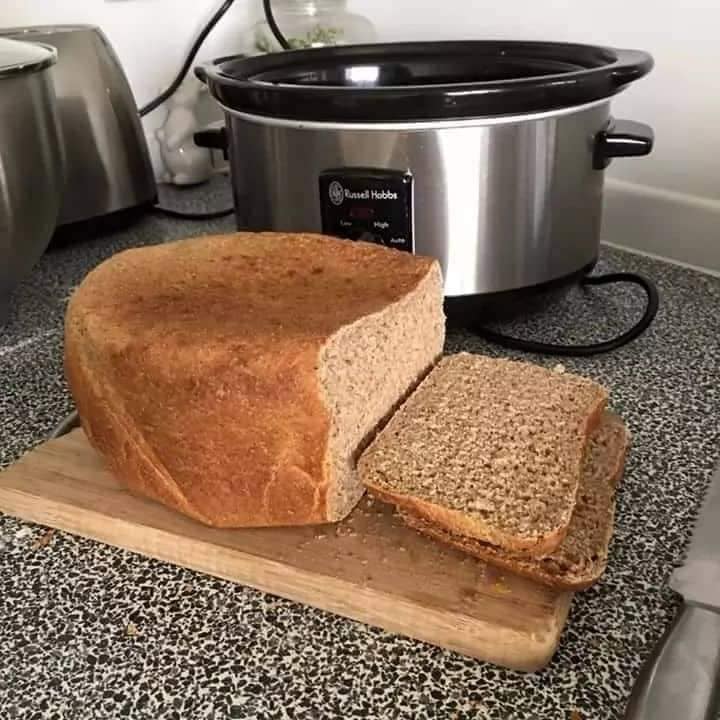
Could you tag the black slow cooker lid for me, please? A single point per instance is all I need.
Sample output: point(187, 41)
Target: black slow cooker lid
point(422, 81)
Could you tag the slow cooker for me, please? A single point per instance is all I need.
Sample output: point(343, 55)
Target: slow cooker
point(487, 155)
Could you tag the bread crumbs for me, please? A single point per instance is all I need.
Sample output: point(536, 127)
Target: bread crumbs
point(502, 589)
point(131, 630)
point(44, 540)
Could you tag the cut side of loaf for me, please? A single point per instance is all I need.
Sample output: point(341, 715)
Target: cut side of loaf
point(490, 449)
point(236, 378)
point(582, 557)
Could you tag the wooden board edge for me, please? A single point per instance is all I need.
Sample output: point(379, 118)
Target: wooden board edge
point(517, 651)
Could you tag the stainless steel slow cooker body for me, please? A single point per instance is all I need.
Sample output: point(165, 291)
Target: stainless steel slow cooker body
point(502, 205)
point(504, 199)
point(31, 161)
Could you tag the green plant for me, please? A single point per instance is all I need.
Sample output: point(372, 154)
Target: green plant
point(318, 36)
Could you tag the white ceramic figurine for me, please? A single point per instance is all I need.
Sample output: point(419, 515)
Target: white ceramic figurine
point(185, 163)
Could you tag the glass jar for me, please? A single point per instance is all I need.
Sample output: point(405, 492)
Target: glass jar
point(309, 23)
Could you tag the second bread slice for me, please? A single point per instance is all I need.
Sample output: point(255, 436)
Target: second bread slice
point(582, 557)
point(489, 449)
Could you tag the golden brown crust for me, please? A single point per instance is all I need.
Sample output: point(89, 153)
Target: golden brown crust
point(460, 524)
point(518, 566)
point(194, 366)
point(556, 570)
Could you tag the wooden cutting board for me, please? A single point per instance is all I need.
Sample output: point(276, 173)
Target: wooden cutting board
point(369, 568)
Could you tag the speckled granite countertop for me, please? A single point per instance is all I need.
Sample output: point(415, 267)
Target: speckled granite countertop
point(206, 648)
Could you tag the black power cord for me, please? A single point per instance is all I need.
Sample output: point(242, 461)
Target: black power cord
point(187, 64)
point(270, 19)
point(170, 91)
point(68, 423)
point(175, 84)
point(210, 215)
point(653, 302)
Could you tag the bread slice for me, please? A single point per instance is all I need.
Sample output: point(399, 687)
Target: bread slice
point(489, 449)
point(582, 556)
point(236, 378)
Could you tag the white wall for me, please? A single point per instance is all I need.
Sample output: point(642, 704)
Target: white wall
point(151, 37)
point(668, 203)
point(680, 99)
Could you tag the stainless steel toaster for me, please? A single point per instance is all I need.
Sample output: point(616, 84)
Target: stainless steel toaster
point(108, 167)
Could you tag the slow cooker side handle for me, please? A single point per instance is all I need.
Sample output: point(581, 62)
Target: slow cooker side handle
point(201, 73)
point(623, 138)
point(215, 138)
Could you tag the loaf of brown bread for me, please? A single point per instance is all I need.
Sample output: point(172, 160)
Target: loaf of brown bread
point(582, 556)
point(489, 449)
point(235, 378)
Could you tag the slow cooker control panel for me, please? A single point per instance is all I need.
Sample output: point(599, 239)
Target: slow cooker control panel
point(367, 204)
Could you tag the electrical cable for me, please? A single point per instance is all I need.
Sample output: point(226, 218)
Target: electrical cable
point(210, 215)
point(180, 77)
point(170, 91)
point(68, 423)
point(653, 302)
point(272, 24)
point(187, 64)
